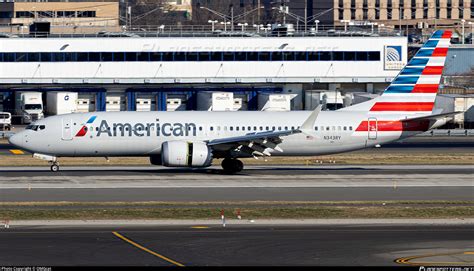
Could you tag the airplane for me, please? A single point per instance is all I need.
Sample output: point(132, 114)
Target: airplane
point(194, 138)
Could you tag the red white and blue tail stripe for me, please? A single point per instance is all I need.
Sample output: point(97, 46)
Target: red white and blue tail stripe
point(414, 89)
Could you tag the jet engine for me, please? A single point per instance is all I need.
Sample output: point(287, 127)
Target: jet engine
point(186, 154)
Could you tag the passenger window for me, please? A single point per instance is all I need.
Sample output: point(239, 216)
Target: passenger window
point(338, 56)
point(93, 56)
point(325, 56)
point(237, 128)
point(277, 56)
point(350, 128)
point(240, 56)
point(255, 128)
point(200, 128)
point(252, 56)
point(361, 56)
point(167, 56)
point(374, 56)
point(216, 56)
point(312, 56)
point(273, 128)
point(211, 128)
point(155, 56)
point(327, 128)
point(249, 128)
point(204, 56)
point(339, 128)
point(261, 128)
point(292, 127)
point(300, 56)
point(191, 56)
point(119, 56)
point(264, 56)
point(316, 128)
point(143, 56)
point(348, 56)
point(286, 128)
point(279, 128)
point(179, 56)
point(267, 128)
point(231, 128)
point(290, 56)
point(228, 56)
point(345, 128)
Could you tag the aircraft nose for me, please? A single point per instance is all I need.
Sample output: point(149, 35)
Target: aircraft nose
point(15, 140)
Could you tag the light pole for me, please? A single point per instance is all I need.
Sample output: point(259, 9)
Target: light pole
point(305, 15)
point(231, 18)
point(372, 27)
point(317, 23)
point(345, 22)
point(225, 25)
point(243, 25)
point(265, 29)
point(462, 26)
point(257, 27)
point(212, 22)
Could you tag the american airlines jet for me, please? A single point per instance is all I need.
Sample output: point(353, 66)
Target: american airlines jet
point(195, 138)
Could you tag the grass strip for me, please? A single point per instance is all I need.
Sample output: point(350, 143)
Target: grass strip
point(232, 203)
point(246, 212)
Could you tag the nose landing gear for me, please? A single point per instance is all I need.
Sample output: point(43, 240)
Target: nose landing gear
point(55, 167)
point(232, 165)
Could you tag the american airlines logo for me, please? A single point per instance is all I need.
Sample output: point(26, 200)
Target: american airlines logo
point(146, 129)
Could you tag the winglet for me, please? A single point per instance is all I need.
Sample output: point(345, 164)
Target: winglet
point(309, 122)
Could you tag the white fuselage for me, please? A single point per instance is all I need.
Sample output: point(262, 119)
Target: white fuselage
point(142, 133)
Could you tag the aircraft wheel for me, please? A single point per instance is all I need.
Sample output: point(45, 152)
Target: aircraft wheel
point(55, 168)
point(231, 165)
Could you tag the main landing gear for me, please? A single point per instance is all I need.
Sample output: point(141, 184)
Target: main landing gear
point(54, 167)
point(232, 165)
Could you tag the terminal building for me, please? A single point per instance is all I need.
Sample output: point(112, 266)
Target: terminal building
point(17, 17)
point(163, 70)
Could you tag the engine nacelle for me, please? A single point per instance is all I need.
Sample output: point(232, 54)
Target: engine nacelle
point(186, 154)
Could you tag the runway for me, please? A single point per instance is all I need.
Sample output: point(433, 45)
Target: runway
point(269, 183)
point(200, 245)
point(452, 144)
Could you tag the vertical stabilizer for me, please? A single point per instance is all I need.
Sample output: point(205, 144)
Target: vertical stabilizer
point(414, 89)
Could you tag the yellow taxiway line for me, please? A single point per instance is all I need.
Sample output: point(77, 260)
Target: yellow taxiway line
point(146, 249)
point(407, 260)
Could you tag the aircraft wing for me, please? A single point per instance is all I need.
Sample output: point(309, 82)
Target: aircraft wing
point(252, 144)
point(260, 144)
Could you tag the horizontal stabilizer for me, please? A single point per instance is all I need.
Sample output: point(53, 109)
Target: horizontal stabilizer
point(433, 117)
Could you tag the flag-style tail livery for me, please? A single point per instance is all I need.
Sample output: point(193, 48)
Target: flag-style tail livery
point(413, 91)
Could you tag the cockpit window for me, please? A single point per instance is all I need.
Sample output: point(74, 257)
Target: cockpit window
point(35, 127)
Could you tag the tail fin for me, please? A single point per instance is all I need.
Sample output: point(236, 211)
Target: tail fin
point(414, 89)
